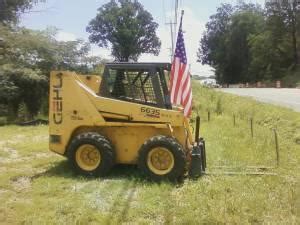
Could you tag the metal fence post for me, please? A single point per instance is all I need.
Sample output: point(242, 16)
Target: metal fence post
point(208, 115)
point(276, 147)
point(251, 124)
point(234, 120)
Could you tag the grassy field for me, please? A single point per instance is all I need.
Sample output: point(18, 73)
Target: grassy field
point(37, 186)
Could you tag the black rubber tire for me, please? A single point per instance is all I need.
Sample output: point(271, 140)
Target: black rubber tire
point(102, 144)
point(174, 147)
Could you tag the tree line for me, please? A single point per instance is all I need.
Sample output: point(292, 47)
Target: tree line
point(26, 59)
point(248, 43)
point(243, 43)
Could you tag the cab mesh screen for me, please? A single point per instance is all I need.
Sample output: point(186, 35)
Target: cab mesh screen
point(135, 86)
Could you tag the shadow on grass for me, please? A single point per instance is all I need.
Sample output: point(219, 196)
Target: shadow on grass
point(129, 175)
point(118, 172)
point(131, 179)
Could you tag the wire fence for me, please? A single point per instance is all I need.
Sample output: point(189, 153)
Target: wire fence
point(273, 133)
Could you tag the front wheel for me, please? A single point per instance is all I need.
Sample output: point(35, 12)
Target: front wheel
point(162, 158)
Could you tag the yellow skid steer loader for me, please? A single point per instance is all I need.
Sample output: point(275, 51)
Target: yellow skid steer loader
point(123, 117)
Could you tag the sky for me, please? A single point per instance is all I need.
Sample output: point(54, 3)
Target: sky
point(71, 18)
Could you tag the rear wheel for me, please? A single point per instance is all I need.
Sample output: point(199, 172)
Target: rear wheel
point(91, 154)
point(162, 158)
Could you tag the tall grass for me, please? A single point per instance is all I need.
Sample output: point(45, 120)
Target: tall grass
point(266, 118)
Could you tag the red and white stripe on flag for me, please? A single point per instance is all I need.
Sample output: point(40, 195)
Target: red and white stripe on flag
point(180, 83)
point(181, 90)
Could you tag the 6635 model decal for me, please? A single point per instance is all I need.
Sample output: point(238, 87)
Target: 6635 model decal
point(150, 112)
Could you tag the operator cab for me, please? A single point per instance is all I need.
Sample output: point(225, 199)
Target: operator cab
point(142, 83)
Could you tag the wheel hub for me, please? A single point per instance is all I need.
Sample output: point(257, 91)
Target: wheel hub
point(88, 157)
point(160, 160)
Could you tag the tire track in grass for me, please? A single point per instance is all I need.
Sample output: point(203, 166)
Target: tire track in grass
point(155, 204)
point(169, 195)
point(120, 207)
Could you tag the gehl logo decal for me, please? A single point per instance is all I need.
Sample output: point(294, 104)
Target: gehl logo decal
point(57, 100)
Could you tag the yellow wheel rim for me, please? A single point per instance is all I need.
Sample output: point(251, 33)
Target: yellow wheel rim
point(88, 157)
point(160, 160)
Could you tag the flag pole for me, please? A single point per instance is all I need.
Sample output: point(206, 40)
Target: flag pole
point(182, 13)
point(180, 84)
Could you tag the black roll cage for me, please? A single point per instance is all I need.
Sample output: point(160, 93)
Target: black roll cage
point(159, 83)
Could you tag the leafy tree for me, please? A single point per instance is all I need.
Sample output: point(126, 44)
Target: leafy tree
point(26, 59)
point(283, 21)
point(270, 58)
point(10, 10)
point(40, 50)
point(21, 85)
point(127, 28)
point(225, 46)
point(213, 45)
point(74, 56)
point(20, 78)
point(243, 25)
point(275, 50)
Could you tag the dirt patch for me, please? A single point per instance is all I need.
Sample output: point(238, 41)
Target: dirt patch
point(21, 183)
point(12, 155)
point(24, 168)
point(16, 139)
point(79, 186)
point(20, 136)
point(43, 155)
point(2, 192)
point(39, 138)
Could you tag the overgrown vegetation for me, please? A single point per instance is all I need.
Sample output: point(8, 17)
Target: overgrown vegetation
point(26, 59)
point(36, 186)
point(248, 43)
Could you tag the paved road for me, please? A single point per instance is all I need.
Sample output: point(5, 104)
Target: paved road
point(285, 97)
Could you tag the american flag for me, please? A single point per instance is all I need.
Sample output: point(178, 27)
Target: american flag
point(181, 90)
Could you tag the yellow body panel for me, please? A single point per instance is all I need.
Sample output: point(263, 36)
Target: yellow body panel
point(92, 81)
point(74, 107)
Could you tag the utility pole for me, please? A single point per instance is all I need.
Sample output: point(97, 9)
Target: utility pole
point(176, 15)
point(173, 26)
point(172, 38)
